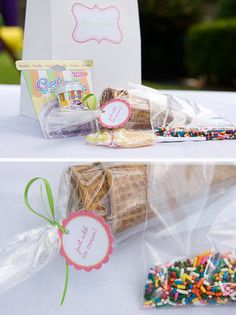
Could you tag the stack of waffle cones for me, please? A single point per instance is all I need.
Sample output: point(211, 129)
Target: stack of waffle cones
point(141, 116)
point(119, 192)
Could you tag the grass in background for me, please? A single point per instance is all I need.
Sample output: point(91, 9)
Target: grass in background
point(8, 72)
point(9, 75)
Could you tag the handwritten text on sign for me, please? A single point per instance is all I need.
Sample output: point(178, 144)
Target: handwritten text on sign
point(88, 243)
point(115, 114)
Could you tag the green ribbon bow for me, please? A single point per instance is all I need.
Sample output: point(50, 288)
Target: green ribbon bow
point(51, 219)
point(90, 101)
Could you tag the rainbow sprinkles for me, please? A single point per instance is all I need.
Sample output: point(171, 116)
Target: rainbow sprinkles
point(209, 278)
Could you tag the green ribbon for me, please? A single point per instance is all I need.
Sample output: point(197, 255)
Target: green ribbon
point(90, 101)
point(50, 219)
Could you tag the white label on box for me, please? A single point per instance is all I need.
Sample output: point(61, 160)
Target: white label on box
point(98, 24)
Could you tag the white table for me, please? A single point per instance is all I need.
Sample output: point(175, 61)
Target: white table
point(21, 137)
point(115, 289)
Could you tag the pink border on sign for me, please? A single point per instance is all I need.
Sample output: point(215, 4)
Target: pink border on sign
point(123, 122)
point(106, 227)
point(94, 38)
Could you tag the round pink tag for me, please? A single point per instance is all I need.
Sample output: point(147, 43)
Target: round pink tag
point(115, 114)
point(88, 243)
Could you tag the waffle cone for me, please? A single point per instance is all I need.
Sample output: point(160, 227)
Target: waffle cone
point(89, 187)
point(173, 194)
point(119, 192)
point(111, 192)
point(128, 196)
point(140, 118)
point(224, 173)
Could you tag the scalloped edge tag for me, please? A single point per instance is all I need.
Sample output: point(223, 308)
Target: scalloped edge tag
point(115, 114)
point(88, 243)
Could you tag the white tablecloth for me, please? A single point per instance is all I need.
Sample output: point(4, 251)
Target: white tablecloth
point(115, 289)
point(21, 137)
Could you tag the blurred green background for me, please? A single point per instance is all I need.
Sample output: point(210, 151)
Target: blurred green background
point(186, 44)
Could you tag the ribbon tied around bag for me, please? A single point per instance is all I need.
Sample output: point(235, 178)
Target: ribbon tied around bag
point(50, 219)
